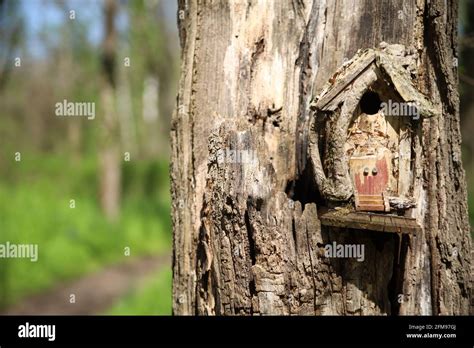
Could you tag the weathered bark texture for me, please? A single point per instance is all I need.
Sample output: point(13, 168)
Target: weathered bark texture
point(247, 238)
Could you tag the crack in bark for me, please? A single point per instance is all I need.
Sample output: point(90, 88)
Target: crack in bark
point(305, 80)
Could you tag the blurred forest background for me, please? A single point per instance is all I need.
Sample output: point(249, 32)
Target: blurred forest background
point(94, 194)
point(91, 193)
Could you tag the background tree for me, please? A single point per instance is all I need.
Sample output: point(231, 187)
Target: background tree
point(110, 161)
point(154, 76)
point(247, 237)
point(46, 161)
point(11, 35)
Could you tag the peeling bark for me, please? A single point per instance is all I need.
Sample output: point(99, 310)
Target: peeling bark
point(247, 234)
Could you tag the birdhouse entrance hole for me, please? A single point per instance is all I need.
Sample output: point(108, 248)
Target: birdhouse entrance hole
point(370, 103)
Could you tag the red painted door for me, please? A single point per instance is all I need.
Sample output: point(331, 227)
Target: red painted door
point(370, 176)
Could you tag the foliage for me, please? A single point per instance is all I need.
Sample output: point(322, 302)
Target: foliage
point(36, 210)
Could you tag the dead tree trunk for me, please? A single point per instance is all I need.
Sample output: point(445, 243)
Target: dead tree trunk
point(248, 237)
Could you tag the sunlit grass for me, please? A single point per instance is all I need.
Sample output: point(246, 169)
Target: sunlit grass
point(153, 298)
point(35, 209)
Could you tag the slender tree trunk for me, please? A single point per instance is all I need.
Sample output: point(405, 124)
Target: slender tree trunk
point(247, 232)
point(128, 138)
point(109, 155)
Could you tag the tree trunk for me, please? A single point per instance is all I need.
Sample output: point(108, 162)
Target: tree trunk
point(109, 154)
point(247, 232)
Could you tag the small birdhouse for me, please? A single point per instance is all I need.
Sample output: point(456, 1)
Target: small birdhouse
point(363, 161)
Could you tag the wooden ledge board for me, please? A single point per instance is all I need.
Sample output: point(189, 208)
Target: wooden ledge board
point(369, 221)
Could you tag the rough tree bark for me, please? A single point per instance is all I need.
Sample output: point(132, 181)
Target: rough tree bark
point(247, 238)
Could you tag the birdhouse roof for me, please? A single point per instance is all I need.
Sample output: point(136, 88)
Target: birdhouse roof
point(391, 65)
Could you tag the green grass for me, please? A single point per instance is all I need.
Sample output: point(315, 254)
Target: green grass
point(154, 298)
point(34, 209)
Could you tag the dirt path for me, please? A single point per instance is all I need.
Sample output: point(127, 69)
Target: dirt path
point(94, 293)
